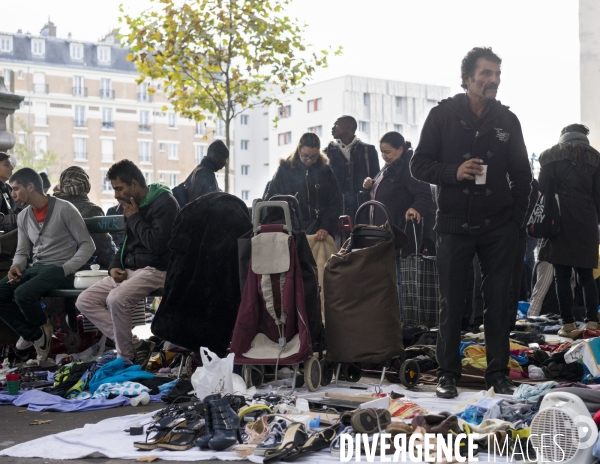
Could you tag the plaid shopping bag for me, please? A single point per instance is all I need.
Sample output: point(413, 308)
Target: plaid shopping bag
point(420, 291)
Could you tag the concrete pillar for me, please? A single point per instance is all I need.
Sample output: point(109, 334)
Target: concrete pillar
point(9, 102)
point(589, 59)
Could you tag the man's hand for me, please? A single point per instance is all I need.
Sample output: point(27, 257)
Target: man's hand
point(321, 235)
point(368, 183)
point(14, 275)
point(413, 213)
point(129, 209)
point(118, 275)
point(469, 169)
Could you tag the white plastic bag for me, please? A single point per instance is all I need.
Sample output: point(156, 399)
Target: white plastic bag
point(214, 376)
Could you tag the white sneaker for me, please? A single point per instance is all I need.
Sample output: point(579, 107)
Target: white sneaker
point(42, 344)
point(23, 344)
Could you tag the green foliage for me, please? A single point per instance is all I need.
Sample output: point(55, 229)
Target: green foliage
point(27, 157)
point(220, 56)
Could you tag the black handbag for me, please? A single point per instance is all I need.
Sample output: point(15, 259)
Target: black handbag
point(544, 221)
point(365, 236)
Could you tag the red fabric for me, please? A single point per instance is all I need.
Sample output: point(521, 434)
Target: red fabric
point(40, 214)
point(591, 334)
point(597, 417)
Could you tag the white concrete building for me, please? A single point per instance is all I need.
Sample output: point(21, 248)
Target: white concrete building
point(589, 56)
point(378, 105)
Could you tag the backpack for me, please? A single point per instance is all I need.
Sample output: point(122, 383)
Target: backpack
point(181, 194)
point(544, 221)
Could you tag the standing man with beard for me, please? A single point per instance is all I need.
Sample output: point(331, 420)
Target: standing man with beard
point(470, 145)
point(352, 161)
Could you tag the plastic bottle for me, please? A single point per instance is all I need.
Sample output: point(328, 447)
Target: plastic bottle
point(309, 422)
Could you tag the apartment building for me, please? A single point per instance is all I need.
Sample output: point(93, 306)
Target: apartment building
point(378, 105)
point(82, 102)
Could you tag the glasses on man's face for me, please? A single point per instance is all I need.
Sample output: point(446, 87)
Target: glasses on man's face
point(306, 157)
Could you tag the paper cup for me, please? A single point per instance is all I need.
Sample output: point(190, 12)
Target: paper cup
point(482, 178)
point(12, 382)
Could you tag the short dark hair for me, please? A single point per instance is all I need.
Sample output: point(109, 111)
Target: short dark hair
point(575, 128)
point(4, 156)
point(469, 62)
point(26, 176)
point(350, 121)
point(127, 172)
point(45, 181)
point(395, 139)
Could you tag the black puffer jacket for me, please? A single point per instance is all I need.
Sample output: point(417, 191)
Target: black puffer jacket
point(315, 188)
point(453, 134)
point(202, 180)
point(576, 168)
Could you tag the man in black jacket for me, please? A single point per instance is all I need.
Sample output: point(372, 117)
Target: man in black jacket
point(140, 266)
point(352, 161)
point(470, 145)
point(202, 180)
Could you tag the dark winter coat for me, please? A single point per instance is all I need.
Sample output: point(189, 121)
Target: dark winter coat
point(351, 174)
point(202, 180)
point(202, 290)
point(399, 191)
point(452, 134)
point(105, 248)
point(315, 188)
point(148, 233)
point(9, 208)
point(575, 167)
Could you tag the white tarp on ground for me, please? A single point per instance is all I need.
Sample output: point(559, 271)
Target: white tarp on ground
point(106, 438)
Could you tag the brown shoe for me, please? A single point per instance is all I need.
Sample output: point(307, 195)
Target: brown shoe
point(566, 330)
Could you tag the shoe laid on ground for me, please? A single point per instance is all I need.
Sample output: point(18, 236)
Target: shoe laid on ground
point(273, 440)
point(23, 344)
point(42, 344)
point(502, 385)
point(143, 352)
point(335, 445)
point(446, 388)
point(371, 420)
point(566, 330)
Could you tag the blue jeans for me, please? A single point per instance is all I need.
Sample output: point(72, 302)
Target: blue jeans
point(399, 282)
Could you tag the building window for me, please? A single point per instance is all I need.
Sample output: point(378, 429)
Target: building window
point(20, 74)
point(105, 91)
point(6, 43)
point(172, 120)
point(144, 121)
point(220, 128)
point(79, 89)
point(79, 116)
point(38, 47)
point(147, 176)
point(398, 128)
point(400, 105)
point(200, 128)
point(245, 170)
point(173, 151)
point(314, 105)
point(106, 184)
point(40, 111)
point(144, 152)
point(161, 177)
point(173, 180)
point(199, 154)
point(244, 119)
point(161, 146)
point(108, 154)
point(107, 120)
point(104, 54)
point(363, 126)
point(245, 144)
point(143, 95)
point(284, 138)
point(80, 148)
point(366, 99)
point(76, 51)
point(245, 195)
point(285, 111)
point(41, 146)
point(316, 130)
point(39, 83)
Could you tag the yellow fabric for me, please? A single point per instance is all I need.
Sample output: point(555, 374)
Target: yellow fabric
point(475, 356)
point(321, 251)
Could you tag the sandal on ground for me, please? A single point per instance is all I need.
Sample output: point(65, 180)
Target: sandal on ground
point(163, 428)
point(183, 438)
point(316, 442)
point(295, 436)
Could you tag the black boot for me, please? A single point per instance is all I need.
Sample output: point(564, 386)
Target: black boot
point(202, 442)
point(226, 425)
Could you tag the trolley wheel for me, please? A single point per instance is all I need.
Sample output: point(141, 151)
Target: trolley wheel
point(409, 373)
point(312, 373)
point(254, 375)
point(327, 371)
point(392, 374)
point(351, 372)
point(72, 342)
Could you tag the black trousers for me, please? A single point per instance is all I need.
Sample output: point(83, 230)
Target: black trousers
point(562, 279)
point(517, 277)
point(496, 252)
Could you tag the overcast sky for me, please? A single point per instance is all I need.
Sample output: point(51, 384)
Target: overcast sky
point(417, 41)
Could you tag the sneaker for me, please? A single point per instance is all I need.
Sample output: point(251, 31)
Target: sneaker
point(142, 353)
point(335, 445)
point(273, 440)
point(23, 344)
point(567, 329)
point(591, 326)
point(42, 344)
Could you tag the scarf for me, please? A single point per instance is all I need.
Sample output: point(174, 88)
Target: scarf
point(346, 149)
point(74, 181)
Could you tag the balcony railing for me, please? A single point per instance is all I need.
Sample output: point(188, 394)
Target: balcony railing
point(107, 94)
point(40, 88)
point(145, 97)
point(41, 121)
point(108, 125)
point(80, 92)
point(144, 127)
point(80, 155)
point(79, 123)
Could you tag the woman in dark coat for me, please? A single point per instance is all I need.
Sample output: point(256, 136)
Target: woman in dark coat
point(402, 195)
point(306, 174)
point(74, 185)
point(573, 165)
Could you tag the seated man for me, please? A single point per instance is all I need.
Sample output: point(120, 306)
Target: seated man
point(140, 267)
point(53, 232)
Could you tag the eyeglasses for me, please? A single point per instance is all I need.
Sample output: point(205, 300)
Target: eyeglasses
point(308, 157)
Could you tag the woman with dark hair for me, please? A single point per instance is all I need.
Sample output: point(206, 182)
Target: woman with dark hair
point(307, 175)
point(574, 167)
point(74, 185)
point(402, 195)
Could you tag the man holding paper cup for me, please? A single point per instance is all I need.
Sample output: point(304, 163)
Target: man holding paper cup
point(472, 149)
